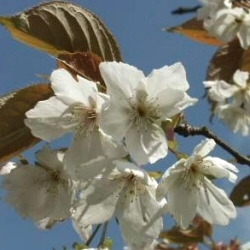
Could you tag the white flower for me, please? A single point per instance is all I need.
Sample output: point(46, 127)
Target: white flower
point(233, 101)
point(235, 117)
point(189, 191)
point(80, 170)
point(219, 90)
point(211, 6)
point(127, 193)
point(74, 108)
point(227, 23)
point(139, 104)
point(43, 190)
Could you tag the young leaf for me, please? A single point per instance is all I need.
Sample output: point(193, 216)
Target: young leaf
point(62, 26)
point(193, 29)
point(15, 137)
point(240, 195)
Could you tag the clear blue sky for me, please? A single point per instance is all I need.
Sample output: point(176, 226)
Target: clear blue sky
point(137, 26)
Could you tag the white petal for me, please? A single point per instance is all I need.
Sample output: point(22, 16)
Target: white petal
point(167, 100)
point(205, 147)
point(220, 90)
point(146, 145)
point(219, 168)
point(214, 205)
point(6, 168)
point(173, 76)
point(50, 158)
point(84, 148)
point(127, 168)
point(240, 78)
point(140, 219)
point(98, 202)
point(113, 150)
point(26, 194)
point(120, 77)
point(243, 34)
point(89, 170)
point(83, 231)
point(42, 190)
point(182, 201)
point(63, 200)
point(115, 120)
point(68, 90)
point(172, 102)
point(169, 176)
point(44, 119)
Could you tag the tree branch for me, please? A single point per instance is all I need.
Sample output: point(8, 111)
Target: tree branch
point(187, 130)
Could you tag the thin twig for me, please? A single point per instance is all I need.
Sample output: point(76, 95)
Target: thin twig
point(187, 130)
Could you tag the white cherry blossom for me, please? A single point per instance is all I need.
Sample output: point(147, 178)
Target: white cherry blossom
point(235, 117)
point(232, 101)
point(209, 7)
point(219, 90)
point(139, 104)
point(189, 190)
point(227, 23)
point(42, 191)
point(74, 108)
point(127, 193)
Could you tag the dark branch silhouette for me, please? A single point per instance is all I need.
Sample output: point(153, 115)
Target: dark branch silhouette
point(185, 10)
point(187, 130)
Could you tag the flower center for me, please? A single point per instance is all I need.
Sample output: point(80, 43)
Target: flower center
point(192, 178)
point(144, 111)
point(86, 119)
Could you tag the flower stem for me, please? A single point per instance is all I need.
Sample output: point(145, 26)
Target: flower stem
point(88, 242)
point(104, 231)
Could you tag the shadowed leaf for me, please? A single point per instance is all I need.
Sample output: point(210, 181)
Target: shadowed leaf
point(193, 29)
point(62, 26)
point(226, 60)
point(240, 195)
point(85, 64)
point(15, 137)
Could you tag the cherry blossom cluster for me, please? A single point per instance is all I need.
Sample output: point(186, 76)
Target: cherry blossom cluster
point(101, 175)
point(226, 20)
point(232, 101)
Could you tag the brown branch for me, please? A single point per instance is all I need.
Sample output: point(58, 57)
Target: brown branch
point(187, 130)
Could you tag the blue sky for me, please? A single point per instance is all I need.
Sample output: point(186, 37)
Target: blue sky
point(137, 26)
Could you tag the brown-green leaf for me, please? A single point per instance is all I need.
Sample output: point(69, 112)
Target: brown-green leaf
point(240, 195)
point(15, 137)
point(194, 30)
point(62, 26)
